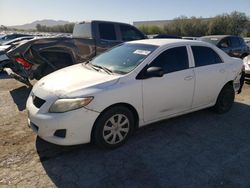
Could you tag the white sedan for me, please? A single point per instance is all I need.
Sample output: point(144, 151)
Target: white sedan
point(129, 86)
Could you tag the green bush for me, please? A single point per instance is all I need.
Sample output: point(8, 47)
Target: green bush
point(67, 28)
point(236, 23)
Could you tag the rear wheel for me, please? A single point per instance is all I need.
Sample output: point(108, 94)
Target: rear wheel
point(225, 99)
point(113, 127)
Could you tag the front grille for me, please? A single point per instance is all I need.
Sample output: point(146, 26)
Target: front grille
point(38, 102)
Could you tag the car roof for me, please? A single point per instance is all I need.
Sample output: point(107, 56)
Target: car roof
point(163, 42)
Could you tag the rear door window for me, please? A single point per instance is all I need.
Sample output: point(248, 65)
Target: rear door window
point(107, 31)
point(205, 56)
point(174, 59)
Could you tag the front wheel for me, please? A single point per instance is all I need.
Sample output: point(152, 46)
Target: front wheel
point(225, 99)
point(113, 127)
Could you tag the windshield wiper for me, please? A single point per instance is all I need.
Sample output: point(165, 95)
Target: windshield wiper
point(107, 70)
point(88, 66)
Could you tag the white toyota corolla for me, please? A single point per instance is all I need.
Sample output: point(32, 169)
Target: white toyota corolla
point(129, 86)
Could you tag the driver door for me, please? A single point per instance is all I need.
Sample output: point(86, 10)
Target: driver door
point(173, 92)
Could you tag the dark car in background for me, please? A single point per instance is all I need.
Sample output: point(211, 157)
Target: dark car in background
point(165, 36)
point(234, 46)
point(12, 36)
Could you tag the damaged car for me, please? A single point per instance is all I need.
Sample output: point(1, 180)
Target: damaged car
point(37, 58)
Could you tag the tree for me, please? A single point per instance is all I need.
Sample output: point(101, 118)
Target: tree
point(67, 28)
point(144, 29)
point(230, 24)
point(38, 27)
point(237, 22)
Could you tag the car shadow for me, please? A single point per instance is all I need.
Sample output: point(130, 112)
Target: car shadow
point(200, 149)
point(20, 96)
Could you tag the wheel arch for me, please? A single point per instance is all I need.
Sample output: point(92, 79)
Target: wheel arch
point(126, 105)
point(217, 107)
point(230, 82)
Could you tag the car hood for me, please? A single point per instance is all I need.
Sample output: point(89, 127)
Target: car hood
point(71, 81)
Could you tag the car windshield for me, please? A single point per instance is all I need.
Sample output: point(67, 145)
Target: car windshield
point(124, 58)
point(212, 40)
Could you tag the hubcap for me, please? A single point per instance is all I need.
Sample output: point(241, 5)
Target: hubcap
point(116, 129)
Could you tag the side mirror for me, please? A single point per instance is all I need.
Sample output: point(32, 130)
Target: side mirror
point(224, 45)
point(154, 72)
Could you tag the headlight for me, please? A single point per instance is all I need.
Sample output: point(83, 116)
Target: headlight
point(64, 105)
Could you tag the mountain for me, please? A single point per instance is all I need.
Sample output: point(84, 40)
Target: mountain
point(46, 22)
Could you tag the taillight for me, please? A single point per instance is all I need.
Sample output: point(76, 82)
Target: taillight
point(23, 62)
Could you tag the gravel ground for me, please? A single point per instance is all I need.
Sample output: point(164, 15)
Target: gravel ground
point(201, 149)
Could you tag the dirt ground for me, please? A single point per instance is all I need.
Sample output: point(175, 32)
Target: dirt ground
point(201, 149)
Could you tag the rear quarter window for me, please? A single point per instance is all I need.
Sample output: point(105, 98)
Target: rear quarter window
point(205, 56)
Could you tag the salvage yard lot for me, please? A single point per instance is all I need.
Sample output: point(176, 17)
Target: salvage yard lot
point(201, 149)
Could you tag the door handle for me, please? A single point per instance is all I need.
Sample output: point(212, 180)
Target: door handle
point(188, 78)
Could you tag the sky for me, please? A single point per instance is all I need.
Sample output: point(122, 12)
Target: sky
point(17, 12)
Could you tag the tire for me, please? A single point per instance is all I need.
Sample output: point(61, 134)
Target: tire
point(113, 127)
point(225, 99)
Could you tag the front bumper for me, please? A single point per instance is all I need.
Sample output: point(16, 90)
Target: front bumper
point(78, 124)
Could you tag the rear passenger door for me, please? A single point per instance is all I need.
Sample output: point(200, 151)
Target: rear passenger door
point(210, 75)
point(173, 92)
